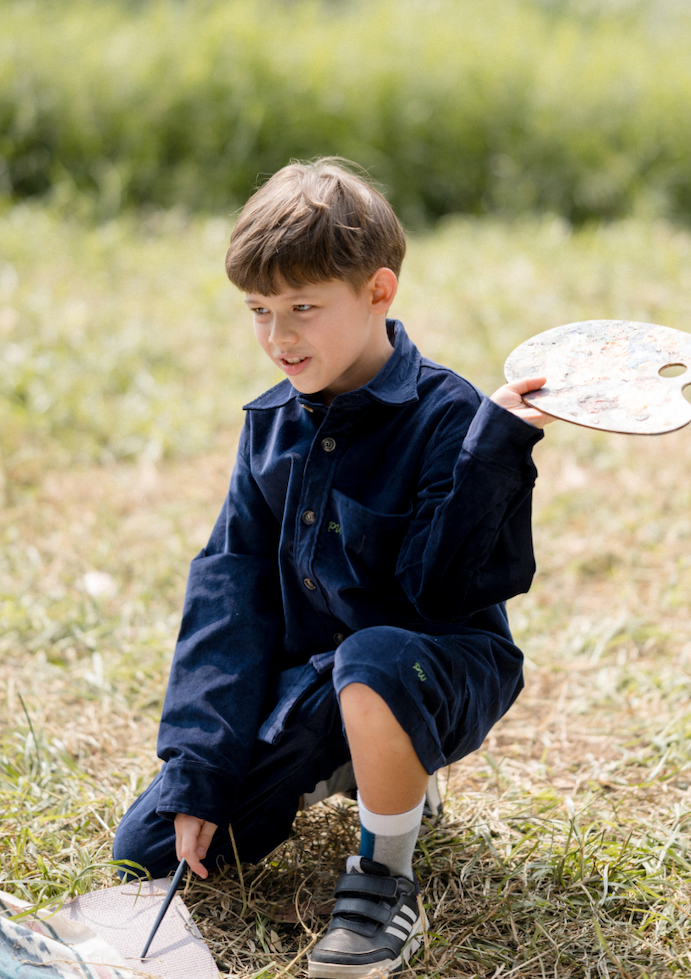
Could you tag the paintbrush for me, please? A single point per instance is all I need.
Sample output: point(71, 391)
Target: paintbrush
point(174, 884)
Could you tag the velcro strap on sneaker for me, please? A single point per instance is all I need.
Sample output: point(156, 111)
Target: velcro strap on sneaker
point(366, 884)
point(366, 909)
point(361, 926)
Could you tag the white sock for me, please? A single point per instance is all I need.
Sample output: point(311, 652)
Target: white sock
point(390, 839)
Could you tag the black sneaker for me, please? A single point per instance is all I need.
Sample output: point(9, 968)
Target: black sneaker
point(374, 927)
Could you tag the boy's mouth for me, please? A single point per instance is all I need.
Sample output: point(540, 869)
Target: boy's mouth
point(293, 365)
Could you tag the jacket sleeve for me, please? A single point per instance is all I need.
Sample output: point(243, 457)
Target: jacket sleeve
point(469, 544)
point(230, 627)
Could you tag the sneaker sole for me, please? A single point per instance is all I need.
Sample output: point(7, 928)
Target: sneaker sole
point(375, 970)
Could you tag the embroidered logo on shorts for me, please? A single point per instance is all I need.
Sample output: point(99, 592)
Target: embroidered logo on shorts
point(334, 528)
point(418, 669)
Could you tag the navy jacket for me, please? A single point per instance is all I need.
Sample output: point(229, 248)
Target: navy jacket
point(407, 502)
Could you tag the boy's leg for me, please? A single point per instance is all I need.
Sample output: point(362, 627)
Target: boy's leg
point(376, 917)
point(311, 749)
point(391, 781)
point(389, 775)
point(410, 704)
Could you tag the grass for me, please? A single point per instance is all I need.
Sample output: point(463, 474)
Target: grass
point(564, 848)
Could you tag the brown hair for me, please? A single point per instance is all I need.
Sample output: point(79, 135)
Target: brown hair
point(312, 222)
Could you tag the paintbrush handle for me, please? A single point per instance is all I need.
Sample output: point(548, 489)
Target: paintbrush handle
point(174, 884)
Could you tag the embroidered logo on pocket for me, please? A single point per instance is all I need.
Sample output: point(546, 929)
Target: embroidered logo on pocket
point(334, 528)
point(418, 669)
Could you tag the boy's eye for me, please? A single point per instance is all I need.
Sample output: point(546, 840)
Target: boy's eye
point(259, 310)
point(302, 307)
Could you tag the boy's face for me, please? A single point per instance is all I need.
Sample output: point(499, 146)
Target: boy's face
point(326, 337)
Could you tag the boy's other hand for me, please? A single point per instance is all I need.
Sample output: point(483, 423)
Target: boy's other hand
point(192, 840)
point(509, 396)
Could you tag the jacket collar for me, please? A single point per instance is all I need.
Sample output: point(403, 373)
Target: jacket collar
point(395, 384)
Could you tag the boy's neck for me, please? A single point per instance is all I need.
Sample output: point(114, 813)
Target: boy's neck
point(380, 354)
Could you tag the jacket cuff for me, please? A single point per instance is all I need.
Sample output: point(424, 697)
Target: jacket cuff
point(196, 790)
point(499, 437)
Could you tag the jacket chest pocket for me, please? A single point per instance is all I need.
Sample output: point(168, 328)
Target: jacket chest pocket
point(369, 541)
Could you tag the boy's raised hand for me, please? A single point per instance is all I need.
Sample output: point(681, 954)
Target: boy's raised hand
point(509, 396)
point(192, 840)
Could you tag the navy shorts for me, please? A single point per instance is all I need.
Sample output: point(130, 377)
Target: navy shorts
point(446, 691)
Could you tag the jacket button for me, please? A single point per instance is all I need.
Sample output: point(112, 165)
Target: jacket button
point(308, 517)
point(308, 583)
point(328, 444)
point(338, 638)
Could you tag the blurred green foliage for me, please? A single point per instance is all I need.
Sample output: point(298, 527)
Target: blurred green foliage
point(454, 105)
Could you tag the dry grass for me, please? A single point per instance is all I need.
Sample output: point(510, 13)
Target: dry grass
point(563, 851)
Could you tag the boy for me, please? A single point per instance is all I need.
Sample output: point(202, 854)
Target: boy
point(349, 602)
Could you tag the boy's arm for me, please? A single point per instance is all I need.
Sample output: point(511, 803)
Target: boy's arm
point(469, 545)
point(230, 629)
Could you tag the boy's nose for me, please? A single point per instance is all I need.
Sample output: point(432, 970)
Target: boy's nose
point(282, 331)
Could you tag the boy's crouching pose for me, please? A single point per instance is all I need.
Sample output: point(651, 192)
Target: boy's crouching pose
point(349, 604)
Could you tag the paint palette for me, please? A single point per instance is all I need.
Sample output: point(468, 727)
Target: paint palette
point(613, 375)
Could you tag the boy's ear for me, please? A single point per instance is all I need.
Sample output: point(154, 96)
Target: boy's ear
point(382, 288)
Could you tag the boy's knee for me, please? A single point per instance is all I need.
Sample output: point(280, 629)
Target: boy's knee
point(128, 846)
point(144, 855)
point(369, 648)
point(144, 839)
point(372, 657)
